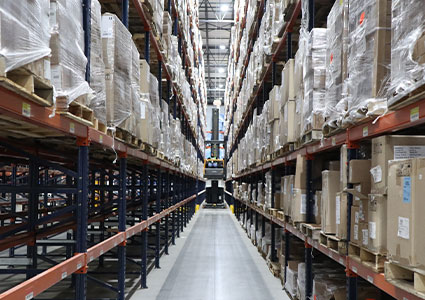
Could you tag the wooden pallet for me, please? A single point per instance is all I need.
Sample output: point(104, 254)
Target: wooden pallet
point(311, 136)
point(75, 110)
point(371, 259)
point(409, 279)
point(281, 215)
point(148, 149)
point(27, 82)
point(282, 151)
point(412, 95)
point(311, 230)
point(99, 126)
point(274, 268)
point(160, 155)
point(333, 243)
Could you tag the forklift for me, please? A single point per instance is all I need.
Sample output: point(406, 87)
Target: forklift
point(214, 169)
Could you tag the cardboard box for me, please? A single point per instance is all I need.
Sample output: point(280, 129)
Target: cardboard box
point(334, 165)
point(341, 203)
point(144, 77)
point(377, 216)
point(359, 171)
point(274, 109)
point(288, 187)
point(343, 168)
point(406, 210)
point(278, 201)
point(318, 207)
point(143, 131)
point(299, 205)
point(391, 147)
point(288, 82)
point(288, 123)
point(330, 188)
point(300, 181)
point(364, 234)
point(355, 223)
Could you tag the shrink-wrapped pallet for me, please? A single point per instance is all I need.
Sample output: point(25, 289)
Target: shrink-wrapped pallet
point(368, 58)
point(117, 52)
point(29, 40)
point(68, 62)
point(97, 99)
point(407, 48)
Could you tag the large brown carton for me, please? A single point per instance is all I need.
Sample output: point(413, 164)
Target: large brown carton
point(390, 147)
point(343, 160)
point(274, 109)
point(287, 128)
point(330, 188)
point(377, 216)
point(341, 215)
point(359, 171)
point(288, 187)
point(406, 210)
point(300, 181)
point(299, 205)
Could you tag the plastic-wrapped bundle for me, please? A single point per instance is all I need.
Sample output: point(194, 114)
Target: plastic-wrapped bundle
point(329, 288)
point(407, 46)
point(268, 190)
point(291, 279)
point(301, 281)
point(29, 39)
point(314, 80)
point(154, 113)
point(97, 100)
point(336, 60)
point(117, 50)
point(368, 57)
point(68, 62)
point(131, 125)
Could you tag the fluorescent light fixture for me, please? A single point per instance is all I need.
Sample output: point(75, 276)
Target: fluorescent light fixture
point(221, 70)
point(224, 7)
point(217, 102)
point(222, 47)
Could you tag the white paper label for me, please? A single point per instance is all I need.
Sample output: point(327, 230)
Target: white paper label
point(47, 70)
point(107, 26)
point(52, 14)
point(285, 115)
point(402, 152)
point(356, 232)
point(29, 296)
point(57, 77)
point(303, 207)
point(356, 217)
point(403, 228)
point(365, 234)
point(376, 174)
point(338, 208)
point(316, 208)
point(372, 230)
point(142, 110)
point(64, 274)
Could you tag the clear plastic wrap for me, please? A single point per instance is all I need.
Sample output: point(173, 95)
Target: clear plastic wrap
point(291, 281)
point(68, 62)
point(314, 80)
point(29, 39)
point(97, 99)
point(117, 50)
point(368, 58)
point(268, 190)
point(407, 46)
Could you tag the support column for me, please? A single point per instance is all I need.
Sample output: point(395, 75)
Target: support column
point(158, 224)
point(273, 225)
point(144, 233)
point(167, 205)
point(308, 270)
point(122, 210)
point(173, 214)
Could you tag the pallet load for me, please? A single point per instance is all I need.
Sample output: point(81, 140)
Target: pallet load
point(329, 195)
point(24, 51)
point(97, 98)
point(407, 51)
point(314, 85)
point(117, 50)
point(68, 62)
point(288, 105)
point(368, 59)
point(336, 65)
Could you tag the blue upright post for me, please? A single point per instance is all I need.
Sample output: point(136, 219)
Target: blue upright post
point(144, 232)
point(310, 14)
point(181, 207)
point(87, 34)
point(273, 225)
point(125, 13)
point(13, 204)
point(308, 248)
point(32, 214)
point(160, 82)
point(177, 195)
point(173, 214)
point(122, 210)
point(158, 224)
point(147, 46)
point(82, 216)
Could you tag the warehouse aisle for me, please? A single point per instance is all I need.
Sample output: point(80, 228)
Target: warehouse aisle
point(217, 261)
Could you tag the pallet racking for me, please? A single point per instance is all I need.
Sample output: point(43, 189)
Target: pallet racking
point(62, 187)
point(409, 117)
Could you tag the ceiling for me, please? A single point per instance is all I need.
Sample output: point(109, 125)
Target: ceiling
point(215, 23)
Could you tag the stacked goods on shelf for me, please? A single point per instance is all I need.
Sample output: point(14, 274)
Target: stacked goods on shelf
point(314, 74)
point(407, 49)
point(287, 105)
point(287, 184)
point(117, 49)
point(27, 45)
point(274, 118)
point(369, 59)
point(298, 207)
point(97, 99)
point(336, 65)
point(68, 62)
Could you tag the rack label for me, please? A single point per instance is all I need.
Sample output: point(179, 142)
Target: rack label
point(26, 110)
point(365, 131)
point(72, 127)
point(333, 141)
point(414, 114)
point(64, 274)
point(354, 269)
point(370, 279)
point(29, 296)
point(101, 139)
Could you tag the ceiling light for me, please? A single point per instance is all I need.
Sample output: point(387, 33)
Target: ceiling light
point(221, 86)
point(217, 102)
point(224, 7)
point(222, 47)
point(221, 70)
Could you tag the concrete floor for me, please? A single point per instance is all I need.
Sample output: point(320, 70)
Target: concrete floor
point(214, 260)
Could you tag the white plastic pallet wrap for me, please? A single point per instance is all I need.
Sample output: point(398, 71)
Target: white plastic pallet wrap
point(97, 99)
point(68, 61)
point(407, 46)
point(117, 53)
point(29, 39)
